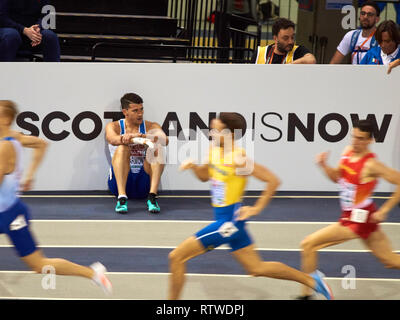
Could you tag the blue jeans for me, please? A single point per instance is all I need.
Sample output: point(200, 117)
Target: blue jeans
point(11, 41)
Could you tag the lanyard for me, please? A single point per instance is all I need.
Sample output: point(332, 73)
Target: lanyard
point(270, 56)
point(358, 51)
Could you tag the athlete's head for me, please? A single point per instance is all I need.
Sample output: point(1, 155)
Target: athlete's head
point(388, 36)
point(362, 135)
point(8, 112)
point(284, 35)
point(132, 108)
point(369, 14)
point(227, 127)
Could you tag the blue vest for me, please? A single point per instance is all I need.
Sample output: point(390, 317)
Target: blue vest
point(9, 187)
point(373, 57)
point(138, 152)
point(353, 44)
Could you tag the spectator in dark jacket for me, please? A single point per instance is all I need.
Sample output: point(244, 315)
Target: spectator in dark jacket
point(21, 28)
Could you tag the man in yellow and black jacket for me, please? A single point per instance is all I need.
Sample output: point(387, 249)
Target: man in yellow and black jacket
point(284, 50)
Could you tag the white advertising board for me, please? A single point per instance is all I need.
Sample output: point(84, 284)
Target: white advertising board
point(295, 111)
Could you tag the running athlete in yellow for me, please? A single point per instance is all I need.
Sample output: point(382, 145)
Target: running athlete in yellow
point(226, 170)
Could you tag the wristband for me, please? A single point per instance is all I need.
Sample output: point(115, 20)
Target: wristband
point(143, 141)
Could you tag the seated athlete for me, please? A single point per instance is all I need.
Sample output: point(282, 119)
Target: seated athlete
point(357, 175)
point(14, 215)
point(134, 174)
point(227, 170)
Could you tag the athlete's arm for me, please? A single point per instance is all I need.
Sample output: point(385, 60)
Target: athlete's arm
point(337, 58)
point(378, 170)
point(112, 136)
point(39, 147)
point(262, 173)
point(201, 171)
point(332, 173)
point(5, 154)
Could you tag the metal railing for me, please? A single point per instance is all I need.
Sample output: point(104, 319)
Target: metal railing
point(171, 53)
point(215, 35)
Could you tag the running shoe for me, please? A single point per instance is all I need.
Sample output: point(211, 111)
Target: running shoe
point(100, 278)
point(152, 204)
point(122, 205)
point(305, 297)
point(321, 286)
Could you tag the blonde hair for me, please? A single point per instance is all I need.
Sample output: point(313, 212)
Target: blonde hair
point(9, 109)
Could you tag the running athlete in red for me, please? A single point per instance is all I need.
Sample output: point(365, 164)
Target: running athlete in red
point(357, 174)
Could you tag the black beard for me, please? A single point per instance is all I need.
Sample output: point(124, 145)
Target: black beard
point(367, 25)
point(282, 48)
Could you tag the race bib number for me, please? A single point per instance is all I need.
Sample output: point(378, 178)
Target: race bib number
point(136, 164)
point(227, 229)
point(218, 192)
point(359, 215)
point(347, 194)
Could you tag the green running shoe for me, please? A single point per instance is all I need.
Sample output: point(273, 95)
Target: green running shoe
point(152, 204)
point(122, 205)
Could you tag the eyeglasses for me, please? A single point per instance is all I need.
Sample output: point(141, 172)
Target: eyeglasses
point(368, 14)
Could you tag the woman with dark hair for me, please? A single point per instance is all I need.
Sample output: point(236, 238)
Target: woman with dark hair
point(388, 51)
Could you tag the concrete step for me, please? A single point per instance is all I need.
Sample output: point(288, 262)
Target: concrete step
point(110, 24)
point(136, 7)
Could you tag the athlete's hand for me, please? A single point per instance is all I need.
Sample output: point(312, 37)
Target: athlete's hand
point(127, 137)
point(187, 165)
point(27, 184)
point(378, 216)
point(321, 159)
point(247, 212)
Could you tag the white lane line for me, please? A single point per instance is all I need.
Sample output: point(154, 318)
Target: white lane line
point(201, 275)
point(198, 221)
point(173, 247)
point(59, 299)
point(190, 197)
point(66, 196)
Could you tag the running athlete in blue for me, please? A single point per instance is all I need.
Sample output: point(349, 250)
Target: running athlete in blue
point(133, 173)
point(14, 215)
point(227, 170)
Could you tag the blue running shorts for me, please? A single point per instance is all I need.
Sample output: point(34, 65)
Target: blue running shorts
point(137, 184)
point(225, 230)
point(14, 222)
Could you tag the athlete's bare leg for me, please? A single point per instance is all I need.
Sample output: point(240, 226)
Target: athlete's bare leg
point(37, 261)
point(121, 167)
point(252, 263)
point(326, 237)
point(381, 248)
point(187, 250)
point(154, 167)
